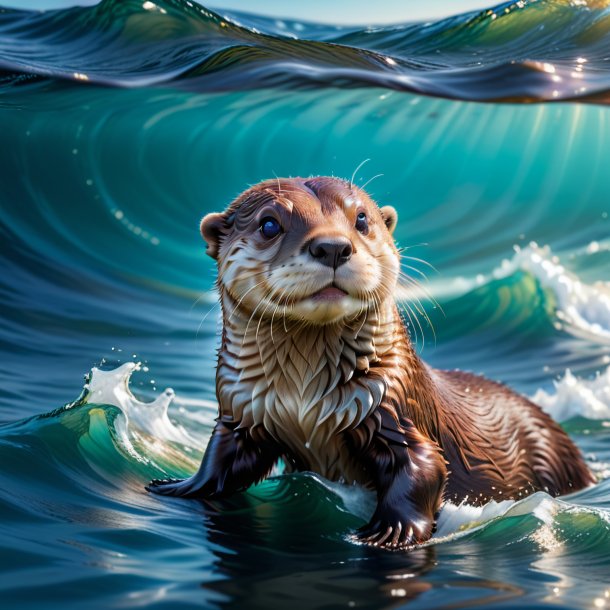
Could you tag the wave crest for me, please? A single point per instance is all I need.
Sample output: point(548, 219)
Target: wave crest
point(515, 51)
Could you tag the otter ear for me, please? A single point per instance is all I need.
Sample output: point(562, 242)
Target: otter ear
point(390, 217)
point(213, 228)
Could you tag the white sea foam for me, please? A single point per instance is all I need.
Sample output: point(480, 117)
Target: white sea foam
point(145, 431)
point(581, 309)
point(112, 388)
point(455, 521)
point(575, 397)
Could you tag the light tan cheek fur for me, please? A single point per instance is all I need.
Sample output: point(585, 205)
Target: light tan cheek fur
point(244, 273)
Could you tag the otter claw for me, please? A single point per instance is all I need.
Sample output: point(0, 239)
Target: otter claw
point(156, 484)
point(391, 537)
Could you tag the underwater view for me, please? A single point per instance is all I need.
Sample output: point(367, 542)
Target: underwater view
point(124, 122)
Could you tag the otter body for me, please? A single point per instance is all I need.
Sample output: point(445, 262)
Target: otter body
point(316, 368)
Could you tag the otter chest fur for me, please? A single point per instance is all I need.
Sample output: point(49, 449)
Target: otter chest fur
point(304, 385)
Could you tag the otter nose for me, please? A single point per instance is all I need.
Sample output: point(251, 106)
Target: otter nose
point(332, 252)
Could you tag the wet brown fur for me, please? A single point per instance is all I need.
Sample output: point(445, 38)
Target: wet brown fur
point(349, 398)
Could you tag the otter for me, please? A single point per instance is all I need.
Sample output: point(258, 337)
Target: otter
point(316, 368)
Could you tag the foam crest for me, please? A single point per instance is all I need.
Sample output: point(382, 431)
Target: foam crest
point(575, 397)
point(143, 422)
point(582, 309)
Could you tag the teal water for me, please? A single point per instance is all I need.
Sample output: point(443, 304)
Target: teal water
point(103, 184)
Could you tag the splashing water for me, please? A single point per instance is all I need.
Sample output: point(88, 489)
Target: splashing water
point(112, 388)
point(581, 308)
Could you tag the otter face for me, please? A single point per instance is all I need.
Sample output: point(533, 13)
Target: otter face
point(316, 250)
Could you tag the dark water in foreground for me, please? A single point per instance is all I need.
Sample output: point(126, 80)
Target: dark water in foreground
point(101, 192)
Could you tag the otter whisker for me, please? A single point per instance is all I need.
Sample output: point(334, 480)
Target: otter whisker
point(418, 271)
point(258, 326)
point(279, 186)
point(419, 245)
point(377, 306)
point(248, 274)
point(422, 312)
point(421, 329)
point(351, 182)
point(415, 301)
point(361, 312)
point(409, 313)
point(270, 302)
point(200, 297)
point(418, 286)
point(254, 313)
point(289, 304)
point(215, 306)
point(270, 289)
point(284, 296)
point(370, 180)
point(420, 260)
point(208, 312)
point(278, 305)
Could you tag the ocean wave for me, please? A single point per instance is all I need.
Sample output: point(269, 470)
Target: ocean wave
point(572, 397)
point(579, 308)
point(145, 430)
point(529, 50)
point(102, 191)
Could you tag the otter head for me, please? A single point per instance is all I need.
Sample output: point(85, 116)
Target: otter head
point(317, 250)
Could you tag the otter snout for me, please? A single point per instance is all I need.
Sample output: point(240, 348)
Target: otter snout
point(332, 252)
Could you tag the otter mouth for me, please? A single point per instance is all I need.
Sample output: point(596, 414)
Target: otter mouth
point(330, 294)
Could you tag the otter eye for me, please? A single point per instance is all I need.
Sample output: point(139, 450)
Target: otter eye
point(362, 223)
point(270, 227)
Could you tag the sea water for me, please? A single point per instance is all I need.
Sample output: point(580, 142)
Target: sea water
point(122, 124)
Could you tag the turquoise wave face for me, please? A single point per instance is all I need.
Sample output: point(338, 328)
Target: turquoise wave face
point(103, 183)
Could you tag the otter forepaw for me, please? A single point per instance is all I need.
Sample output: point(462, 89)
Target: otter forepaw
point(395, 534)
